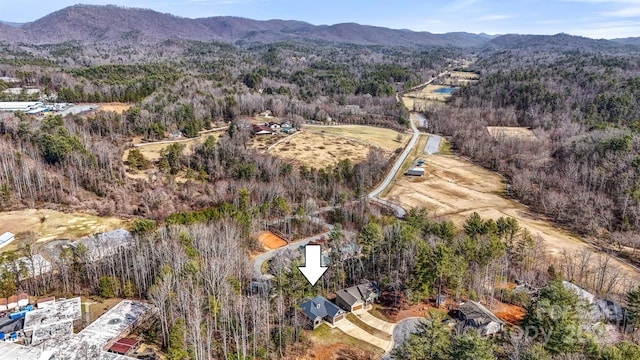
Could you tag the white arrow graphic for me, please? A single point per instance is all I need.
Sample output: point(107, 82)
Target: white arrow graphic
point(312, 269)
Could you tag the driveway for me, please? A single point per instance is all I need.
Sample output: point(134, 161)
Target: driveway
point(374, 322)
point(352, 329)
point(402, 331)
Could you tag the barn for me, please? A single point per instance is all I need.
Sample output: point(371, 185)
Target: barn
point(415, 171)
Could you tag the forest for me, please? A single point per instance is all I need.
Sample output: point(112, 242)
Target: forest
point(192, 240)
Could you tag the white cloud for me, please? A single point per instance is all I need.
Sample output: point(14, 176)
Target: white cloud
point(609, 30)
point(495, 17)
point(626, 12)
point(458, 5)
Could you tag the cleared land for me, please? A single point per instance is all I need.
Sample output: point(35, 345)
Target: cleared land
point(50, 224)
point(384, 138)
point(454, 188)
point(114, 106)
point(461, 78)
point(320, 150)
point(270, 240)
point(511, 132)
point(333, 344)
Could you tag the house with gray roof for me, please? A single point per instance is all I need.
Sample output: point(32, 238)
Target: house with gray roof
point(357, 297)
point(320, 309)
point(473, 314)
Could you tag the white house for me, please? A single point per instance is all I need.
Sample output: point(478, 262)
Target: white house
point(44, 302)
point(3, 304)
point(6, 239)
point(12, 302)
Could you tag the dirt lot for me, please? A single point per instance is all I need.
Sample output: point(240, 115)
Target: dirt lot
point(454, 188)
point(510, 313)
point(50, 224)
point(320, 150)
point(511, 132)
point(114, 106)
point(384, 138)
point(270, 240)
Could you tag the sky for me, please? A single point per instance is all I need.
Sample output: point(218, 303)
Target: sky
point(592, 18)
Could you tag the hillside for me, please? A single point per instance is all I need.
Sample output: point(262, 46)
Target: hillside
point(90, 23)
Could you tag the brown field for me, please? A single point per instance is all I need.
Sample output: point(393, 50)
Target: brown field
point(511, 132)
point(384, 138)
point(320, 150)
point(114, 106)
point(50, 224)
point(333, 344)
point(464, 75)
point(270, 240)
point(454, 188)
point(422, 99)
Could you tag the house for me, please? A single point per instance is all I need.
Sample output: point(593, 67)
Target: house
point(23, 299)
point(3, 304)
point(261, 130)
point(582, 293)
point(6, 239)
point(415, 171)
point(266, 114)
point(320, 309)
point(357, 297)
point(473, 314)
point(12, 302)
point(44, 302)
point(349, 250)
point(274, 126)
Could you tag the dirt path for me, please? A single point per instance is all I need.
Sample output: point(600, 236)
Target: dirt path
point(455, 188)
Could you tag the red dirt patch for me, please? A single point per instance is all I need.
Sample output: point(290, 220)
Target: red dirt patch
point(512, 314)
point(270, 240)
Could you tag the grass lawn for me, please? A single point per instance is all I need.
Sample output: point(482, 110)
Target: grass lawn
point(324, 335)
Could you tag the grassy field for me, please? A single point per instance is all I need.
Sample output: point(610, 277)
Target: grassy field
point(50, 224)
point(333, 344)
point(454, 188)
point(385, 138)
point(319, 150)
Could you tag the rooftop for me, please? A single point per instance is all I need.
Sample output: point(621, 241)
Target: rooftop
point(319, 307)
point(479, 314)
point(59, 312)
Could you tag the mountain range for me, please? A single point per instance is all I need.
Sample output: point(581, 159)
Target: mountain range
point(109, 23)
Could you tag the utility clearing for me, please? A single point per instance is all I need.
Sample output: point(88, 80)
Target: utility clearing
point(453, 188)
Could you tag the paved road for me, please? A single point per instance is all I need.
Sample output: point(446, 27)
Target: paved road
point(400, 212)
point(433, 144)
point(401, 332)
point(256, 265)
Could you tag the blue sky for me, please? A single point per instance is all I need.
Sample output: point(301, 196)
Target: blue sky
point(592, 18)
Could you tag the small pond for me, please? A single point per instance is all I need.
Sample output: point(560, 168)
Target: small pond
point(445, 90)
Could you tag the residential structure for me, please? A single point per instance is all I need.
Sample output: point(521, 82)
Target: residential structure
point(45, 302)
point(320, 309)
point(261, 130)
point(473, 314)
point(357, 297)
point(23, 299)
point(582, 293)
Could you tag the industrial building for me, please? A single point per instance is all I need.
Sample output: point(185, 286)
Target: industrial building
point(23, 106)
point(6, 239)
point(51, 333)
point(415, 171)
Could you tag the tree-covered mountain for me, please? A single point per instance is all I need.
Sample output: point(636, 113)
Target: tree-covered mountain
point(89, 23)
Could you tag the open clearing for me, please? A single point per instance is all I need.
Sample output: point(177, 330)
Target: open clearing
point(454, 188)
point(384, 138)
point(522, 133)
point(50, 224)
point(270, 240)
point(114, 106)
point(333, 344)
point(461, 78)
point(319, 150)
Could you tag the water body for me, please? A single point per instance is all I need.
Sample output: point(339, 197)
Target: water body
point(446, 90)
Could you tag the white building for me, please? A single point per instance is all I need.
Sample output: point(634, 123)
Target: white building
point(6, 239)
point(20, 105)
